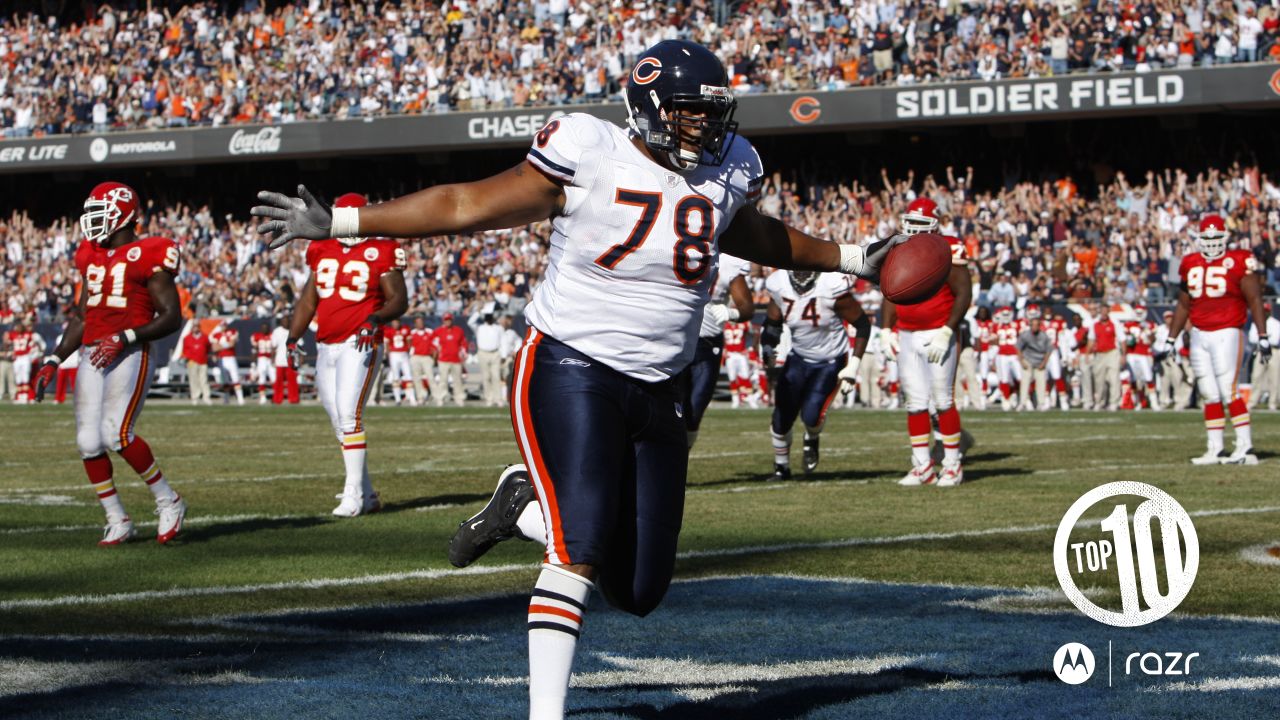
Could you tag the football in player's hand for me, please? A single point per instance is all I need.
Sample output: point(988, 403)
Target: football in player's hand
point(916, 269)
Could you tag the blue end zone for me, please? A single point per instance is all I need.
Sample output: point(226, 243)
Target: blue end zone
point(748, 647)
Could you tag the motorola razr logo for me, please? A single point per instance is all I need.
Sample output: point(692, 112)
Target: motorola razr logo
point(1073, 663)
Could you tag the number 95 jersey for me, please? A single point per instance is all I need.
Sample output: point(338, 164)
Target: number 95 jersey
point(1217, 302)
point(347, 282)
point(115, 283)
point(635, 250)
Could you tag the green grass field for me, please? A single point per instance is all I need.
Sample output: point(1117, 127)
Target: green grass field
point(260, 542)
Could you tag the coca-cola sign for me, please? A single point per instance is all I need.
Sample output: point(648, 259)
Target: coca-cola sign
point(266, 140)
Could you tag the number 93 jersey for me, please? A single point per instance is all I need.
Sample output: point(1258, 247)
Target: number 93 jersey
point(347, 281)
point(115, 283)
point(817, 332)
point(635, 250)
point(1217, 301)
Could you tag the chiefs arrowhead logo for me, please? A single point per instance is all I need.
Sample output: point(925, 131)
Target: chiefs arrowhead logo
point(806, 109)
point(133, 254)
point(1275, 82)
point(371, 254)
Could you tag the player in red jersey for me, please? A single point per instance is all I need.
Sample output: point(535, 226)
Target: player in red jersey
point(224, 339)
point(1005, 330)
point(737, 336)
point(24, 345)
point(927, 357)
point(422, 360)
point(128, 299)
point(1137, 343)
point(397, 337)
point(263, 367)
point(356, 287)
point(1056, 328)
point(1219, 286)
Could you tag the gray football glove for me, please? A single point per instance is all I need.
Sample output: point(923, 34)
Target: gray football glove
point(290, 218)
point(876, 253)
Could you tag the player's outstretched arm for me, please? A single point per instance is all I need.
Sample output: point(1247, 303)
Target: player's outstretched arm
point(769, 241)
point(72, 337)
point(850, 310)
point(518, 196)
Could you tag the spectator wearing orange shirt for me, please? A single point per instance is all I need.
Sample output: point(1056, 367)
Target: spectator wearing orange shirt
point(1087, 256)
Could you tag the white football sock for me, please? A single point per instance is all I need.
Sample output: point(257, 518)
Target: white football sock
point(556, 607)
point(353, 457)
point(781, 448)
point(531, 524)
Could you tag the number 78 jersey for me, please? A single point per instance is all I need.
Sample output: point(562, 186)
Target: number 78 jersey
point(1217, 301)
point(347, 282)
point(635, 250)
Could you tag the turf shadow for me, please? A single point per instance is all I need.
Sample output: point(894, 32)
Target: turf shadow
point(748, 477)
point(421, 502)
point(985, 457)
point(977, 475)
point(205, 533)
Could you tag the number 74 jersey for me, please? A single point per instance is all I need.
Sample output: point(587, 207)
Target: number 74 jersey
point(348, 283)
point(115, 282)
point(634, 253)
point(1217, 302)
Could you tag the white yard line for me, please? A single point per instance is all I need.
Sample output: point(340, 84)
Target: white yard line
point(436, 574)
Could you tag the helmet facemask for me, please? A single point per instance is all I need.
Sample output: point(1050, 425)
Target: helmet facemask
point(802, 281)
point(704, 122)
point(916, 223)
point(1212, 243)
point(103, 217)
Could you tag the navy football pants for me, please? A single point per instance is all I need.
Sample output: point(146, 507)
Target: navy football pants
point(607, 455)
point(804, 388)
point(704, 371)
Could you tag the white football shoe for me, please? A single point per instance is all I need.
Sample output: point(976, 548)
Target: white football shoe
point(351, 506)
point(1241, 456)
point(117, 531)
point(1210, 457)
point(920, 475)
point(172, 513)
point(952, 475)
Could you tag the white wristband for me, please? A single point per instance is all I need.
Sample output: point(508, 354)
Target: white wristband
point(346, 222)
point(733, 313)
point(852, 258)
point(130, 336)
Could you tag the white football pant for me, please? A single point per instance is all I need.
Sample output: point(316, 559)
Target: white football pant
point(1141, 371)
point(230, 370)
point(108, 401)
point(265, 370)
point(923, 381)
point(1215, 360)
point(344, 379)
point(1009, 370)
point(737, 366)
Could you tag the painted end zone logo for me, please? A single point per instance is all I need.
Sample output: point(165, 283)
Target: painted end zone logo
point(1126, 550)
point(1041, 96)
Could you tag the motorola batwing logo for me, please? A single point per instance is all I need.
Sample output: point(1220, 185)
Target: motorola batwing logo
point(1073, 663)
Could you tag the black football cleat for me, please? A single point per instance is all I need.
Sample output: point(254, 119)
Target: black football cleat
point(496, 521)
point(810, 453)
point(781, 472)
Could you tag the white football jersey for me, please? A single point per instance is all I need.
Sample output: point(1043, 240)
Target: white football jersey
point(817, 332)
point(634, 253)
point(730, 268)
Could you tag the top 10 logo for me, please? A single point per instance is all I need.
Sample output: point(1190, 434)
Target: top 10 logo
point(1121, 548)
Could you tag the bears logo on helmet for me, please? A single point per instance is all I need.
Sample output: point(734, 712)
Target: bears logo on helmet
point(921, 217)
point(680, 104)
point(1212, 238)
point(110, 207)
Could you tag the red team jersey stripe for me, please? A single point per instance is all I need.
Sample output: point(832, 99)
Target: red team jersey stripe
point(131, 413)
point(522, 423)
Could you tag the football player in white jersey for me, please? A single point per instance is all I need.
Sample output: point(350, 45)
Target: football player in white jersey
point(815, 307)
point(639, 217)
point(731, 301)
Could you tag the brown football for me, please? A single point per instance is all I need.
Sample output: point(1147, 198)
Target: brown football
point(916, 269)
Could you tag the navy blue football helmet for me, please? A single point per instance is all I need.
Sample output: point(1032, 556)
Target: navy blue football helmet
point(802, 281)
point(678, 91)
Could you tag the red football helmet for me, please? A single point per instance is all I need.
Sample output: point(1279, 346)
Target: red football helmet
point(921, 217)
point(351, 200)
point(1033, 312)
point(1004, 315)
point(1212, 237)
point(109, 208)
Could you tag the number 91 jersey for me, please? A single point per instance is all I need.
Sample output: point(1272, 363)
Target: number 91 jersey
point(635, 250)
point(1217, 301)
point(115, 283)
point(817, 332)
point(347, 282)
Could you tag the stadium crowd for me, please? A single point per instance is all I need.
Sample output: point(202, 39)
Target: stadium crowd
point(202, 64)
point(1032, 243)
